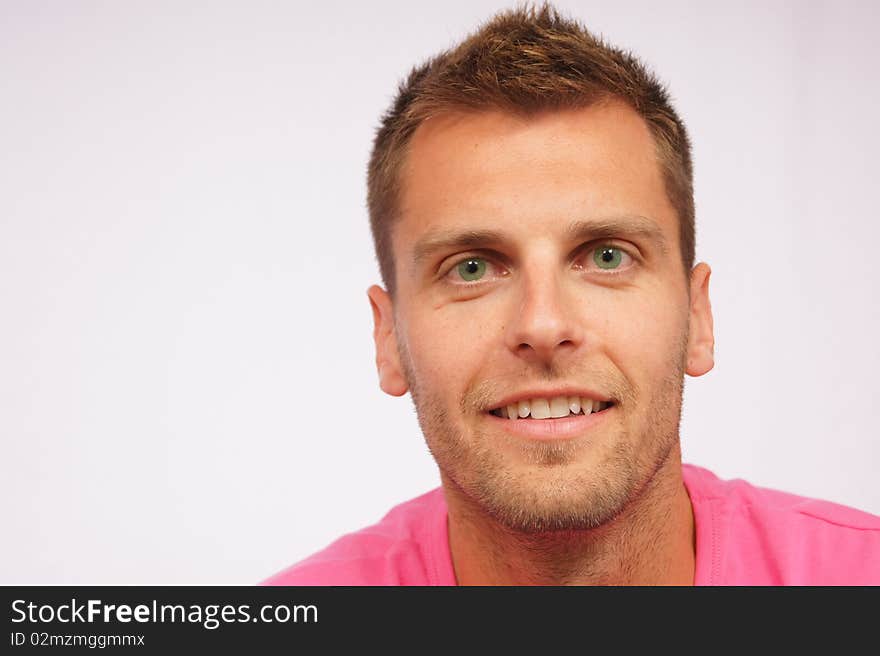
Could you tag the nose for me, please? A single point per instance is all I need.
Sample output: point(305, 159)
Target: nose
point(545, 322)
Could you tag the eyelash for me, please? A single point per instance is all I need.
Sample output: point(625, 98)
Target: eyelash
point(587, 249)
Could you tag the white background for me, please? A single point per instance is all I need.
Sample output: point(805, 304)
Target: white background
point(187, 388)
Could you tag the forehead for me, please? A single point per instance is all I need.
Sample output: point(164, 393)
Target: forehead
point(523, 175)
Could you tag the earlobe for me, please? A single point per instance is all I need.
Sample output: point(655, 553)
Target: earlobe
point(391, 378)
point(701, 340)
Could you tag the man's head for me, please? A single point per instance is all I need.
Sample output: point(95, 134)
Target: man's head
point(531, 202)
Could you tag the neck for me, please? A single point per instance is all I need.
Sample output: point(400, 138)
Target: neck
point(651, 542)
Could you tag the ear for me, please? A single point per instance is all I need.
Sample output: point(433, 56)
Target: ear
point(701, 342)
point(391, 378)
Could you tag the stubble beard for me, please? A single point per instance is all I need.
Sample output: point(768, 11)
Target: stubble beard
point(561, 488)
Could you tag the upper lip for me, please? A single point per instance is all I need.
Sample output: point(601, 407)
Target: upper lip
point(580, 392)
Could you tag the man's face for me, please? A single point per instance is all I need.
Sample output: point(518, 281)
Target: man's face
point(538, 260)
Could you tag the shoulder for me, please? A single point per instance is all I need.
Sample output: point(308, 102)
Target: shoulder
point(765, 536)
point(401, 549)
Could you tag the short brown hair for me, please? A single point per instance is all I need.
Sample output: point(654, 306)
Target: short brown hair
point(525, 61)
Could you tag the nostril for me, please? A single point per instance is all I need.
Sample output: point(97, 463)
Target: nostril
point(526, 346)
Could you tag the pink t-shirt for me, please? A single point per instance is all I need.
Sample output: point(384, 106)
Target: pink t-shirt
point(746, 535)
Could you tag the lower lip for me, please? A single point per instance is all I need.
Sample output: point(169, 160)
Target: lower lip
point(551, 429)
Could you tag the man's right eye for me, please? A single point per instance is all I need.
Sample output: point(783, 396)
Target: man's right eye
point(471, 269)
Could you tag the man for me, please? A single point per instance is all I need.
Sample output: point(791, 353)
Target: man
point(530, 195)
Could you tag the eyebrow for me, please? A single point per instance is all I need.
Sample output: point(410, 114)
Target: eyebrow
point(623, 226)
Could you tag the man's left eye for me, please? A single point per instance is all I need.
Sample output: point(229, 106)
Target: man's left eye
point(610, 258)
point(472, 269)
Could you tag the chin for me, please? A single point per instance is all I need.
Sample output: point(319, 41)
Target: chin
point(555, 497)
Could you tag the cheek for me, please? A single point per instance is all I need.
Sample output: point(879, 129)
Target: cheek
point(643, 332)
point(449, 345)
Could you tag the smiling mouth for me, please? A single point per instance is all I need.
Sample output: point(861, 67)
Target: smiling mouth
point(554, 408)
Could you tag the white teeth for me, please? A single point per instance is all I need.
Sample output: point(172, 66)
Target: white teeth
point(540, 408)
point(556, 408)
point(559, 407)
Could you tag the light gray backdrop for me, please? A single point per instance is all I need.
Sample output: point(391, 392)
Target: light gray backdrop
point(187, 389)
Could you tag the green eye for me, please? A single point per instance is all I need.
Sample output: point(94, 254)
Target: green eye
point(607, 257)
point(472, 269)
